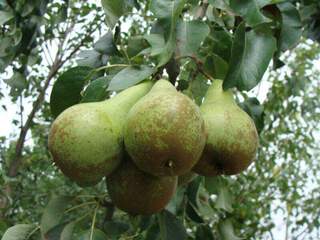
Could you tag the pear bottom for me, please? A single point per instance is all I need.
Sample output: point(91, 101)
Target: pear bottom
point(137, 192)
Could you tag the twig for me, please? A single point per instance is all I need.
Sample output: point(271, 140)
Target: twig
point(93, 222)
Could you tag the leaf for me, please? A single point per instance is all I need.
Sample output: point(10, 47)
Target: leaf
point(190, 35)
point(19, 232)
point(251, 55)
point(249, 10)
point(291, 26)
point(226, 231)
point(222, 44)
point(136, 44)
point(91, 58)
point(97, 235)
point(224, 200)
point(115, 9)
point(216, 66)
point(129, 77)
point(62, 231)
point(106, 45)
point(168, 11)
point(5, 17)
point(156, 42)
point(204, 232)
point(66, 90)
point(97, 90)
point(176, 201)
point(17, 82)
point(53, 213)
point(115, 229)
point(170, 227)
point(255, 110)
point(203, 203)
point(198, 88)
point(220, 4)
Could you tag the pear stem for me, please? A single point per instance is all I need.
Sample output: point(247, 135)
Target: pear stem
point(216, 93)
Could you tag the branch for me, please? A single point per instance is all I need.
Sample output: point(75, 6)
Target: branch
point(202, 9)
point(57, 64)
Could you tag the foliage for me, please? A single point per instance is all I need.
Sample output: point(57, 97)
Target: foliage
point(189, 43)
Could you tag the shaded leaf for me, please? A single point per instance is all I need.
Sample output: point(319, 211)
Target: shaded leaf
point(224, 200)
point(204, 233)
point(19, 232)
point(156, 42)
point(62, 231)
point(106, 45)
point(66, 90)
point(115, 228)
point(97, 235)
point(291, 26)
point(115, 9)
point(216, 66)
point(129, 77)
point(5, 17)
point(91, 58)
point(251, 55)
point(53, 213)
point(171, 227)
point(190, 35)
point(226, 231)
point(97, 90)
point(250, 11)
point(255, 110)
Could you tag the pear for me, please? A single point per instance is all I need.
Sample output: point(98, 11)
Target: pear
point(137, 192)
point(164, 133)
point(232, 136)
point(86, 140)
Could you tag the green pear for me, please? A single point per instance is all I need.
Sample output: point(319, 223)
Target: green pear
point(232, 136)
point(86, 140)
point(137, 192)
point(164, 133)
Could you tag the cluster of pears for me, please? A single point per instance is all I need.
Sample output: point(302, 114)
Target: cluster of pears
point(147, 137)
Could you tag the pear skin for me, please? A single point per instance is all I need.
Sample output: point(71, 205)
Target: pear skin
point(232, 136)
point(137, 192)
point(164, 133)
point(86, 140)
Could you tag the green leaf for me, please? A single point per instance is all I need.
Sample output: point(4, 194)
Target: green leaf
point(204, 233)
point(62, 231)
point(291, 26)
point(136, 44)
point(203, 203)
point(91, 58)
point(190, 35)
point(198, 88)
point(66, 90)
point(97, 235)
point(251, 55)
point(224, 200)
point(5, 17)
point(106, 45)
point(216, 66)
point(220, 4)
point(53, 213)
point(249, 10)
point(19, 232)
point(129, 77)
point(170, 227)
point(168, 11)
point(156, 42)
point(226, 231)
point(17, 82)
point(97, 90)
point(255, 110)
point(115, 9)
point(115, 228)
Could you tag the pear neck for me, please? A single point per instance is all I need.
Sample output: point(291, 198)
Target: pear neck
point(163, 85)
point(216, 93)
point(127, 98)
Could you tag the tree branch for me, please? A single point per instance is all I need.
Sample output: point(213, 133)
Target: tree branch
point(57, 64)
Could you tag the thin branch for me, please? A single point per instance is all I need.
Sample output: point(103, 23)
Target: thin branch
point(57, 64)
point(202, 9)
point(93, 222)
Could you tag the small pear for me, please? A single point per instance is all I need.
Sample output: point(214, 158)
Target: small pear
point(164, 133)
point(137, 192)
point(232, 136)
point(86, 140)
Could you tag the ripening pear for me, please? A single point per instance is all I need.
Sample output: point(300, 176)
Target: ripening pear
point(86, 140)
point(232, 136)
point(164, 133)
point(137, 192)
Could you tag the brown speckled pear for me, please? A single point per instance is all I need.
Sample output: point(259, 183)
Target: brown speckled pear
point(86, 140)
point(232, 136)
point(164, 133)
point(137, 192)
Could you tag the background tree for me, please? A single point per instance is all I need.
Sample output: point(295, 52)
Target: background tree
point(189, 42)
